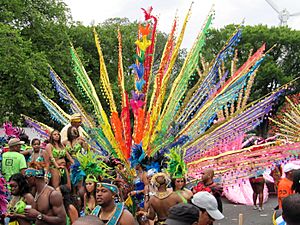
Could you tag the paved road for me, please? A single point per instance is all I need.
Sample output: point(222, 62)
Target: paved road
point(251, 217)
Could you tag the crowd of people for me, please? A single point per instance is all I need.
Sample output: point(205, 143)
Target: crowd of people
point(63, 181)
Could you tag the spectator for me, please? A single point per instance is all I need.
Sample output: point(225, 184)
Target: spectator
point(291, 209)
point(296, 181)
point(13, 161)
point(183, 214)
point(208, 206)
point(285, 184)
point(207, 184)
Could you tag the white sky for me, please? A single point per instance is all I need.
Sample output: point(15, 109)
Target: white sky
point(227, 12)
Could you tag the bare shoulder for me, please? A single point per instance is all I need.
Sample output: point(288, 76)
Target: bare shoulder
point(28, 198)
point(127, 218)
point(55, 197)
point(49, 146)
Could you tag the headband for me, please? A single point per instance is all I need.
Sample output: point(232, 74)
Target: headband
point(30, 172)
point(78, 120)
point(113, 188)
point(91, 178)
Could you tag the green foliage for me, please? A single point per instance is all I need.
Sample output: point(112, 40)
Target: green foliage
point(281, 64)
point(19, 68)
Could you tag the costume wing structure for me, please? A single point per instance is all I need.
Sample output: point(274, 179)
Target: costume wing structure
point(207, 121)
point(289, 122)
point(42, 129)
point(67, 97)
point(56, 112)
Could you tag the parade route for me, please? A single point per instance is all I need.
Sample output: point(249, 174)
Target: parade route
point(251, 217)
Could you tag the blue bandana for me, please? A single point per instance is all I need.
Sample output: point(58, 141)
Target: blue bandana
point(113, 188)
point(30, 172)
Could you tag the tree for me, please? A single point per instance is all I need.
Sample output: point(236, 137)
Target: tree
point(33, 34)
point(19, 68)
point(281, 64)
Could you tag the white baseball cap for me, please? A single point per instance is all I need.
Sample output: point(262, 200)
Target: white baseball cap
point(207, 201)
point(289, 167)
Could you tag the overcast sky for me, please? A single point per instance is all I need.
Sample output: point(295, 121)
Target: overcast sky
point(227, 12)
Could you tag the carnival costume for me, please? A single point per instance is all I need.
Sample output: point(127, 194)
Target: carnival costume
point(119, 206)
point(177, 169)
point(89, 167)
point(208, 120)
point(137, 157)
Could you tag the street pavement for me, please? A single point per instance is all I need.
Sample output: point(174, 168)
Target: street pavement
point(250, 216)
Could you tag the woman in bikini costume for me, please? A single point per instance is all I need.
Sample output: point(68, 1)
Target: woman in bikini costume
point(20, 198)
point(58, 156)
point(178, 185)
point(75, 144)
point(90, 194)
point(40, 155)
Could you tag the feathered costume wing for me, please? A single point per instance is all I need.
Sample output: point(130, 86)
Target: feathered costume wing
point(207, 120)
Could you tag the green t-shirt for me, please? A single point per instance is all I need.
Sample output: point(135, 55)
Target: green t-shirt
point(12, 162)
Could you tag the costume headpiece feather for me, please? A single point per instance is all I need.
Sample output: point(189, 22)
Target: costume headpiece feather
point(3, 201)
point(93, 164)
point(137, 155)
point(176, 166)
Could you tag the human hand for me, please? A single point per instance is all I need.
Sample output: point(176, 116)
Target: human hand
point(141, 213)
point(31, 213)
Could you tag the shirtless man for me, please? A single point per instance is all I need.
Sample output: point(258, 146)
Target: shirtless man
point(107, 210)
point(47, 207)
point(162, 199)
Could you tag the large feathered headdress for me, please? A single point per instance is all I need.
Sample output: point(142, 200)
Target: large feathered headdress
point(90, 165)
point(137, 155)
point(176, 166)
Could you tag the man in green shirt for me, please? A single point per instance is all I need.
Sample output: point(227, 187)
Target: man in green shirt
point(13, 161)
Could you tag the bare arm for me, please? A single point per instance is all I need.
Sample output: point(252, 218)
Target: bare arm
point(26, 152)
point(69, 157)
point(126, 218)
point(58, 209)
point(73, 213)
point(51, 158)
point(151, 213)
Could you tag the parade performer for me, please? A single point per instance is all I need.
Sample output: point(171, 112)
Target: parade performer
point(178, 171)
point(137, 160)
point(257, 184)
point(58, 156)
point(40, 155)
point(75, 143)
point(162, 199)
point(3, 197)
point(20, 198)
point(107, 210)
point(90, 169)
point(47, 207)
point(75, 121)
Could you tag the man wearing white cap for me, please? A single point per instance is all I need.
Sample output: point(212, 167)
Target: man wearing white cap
point(208, 206)
point(75, 121)
point(13, 161)
point(285, 184)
